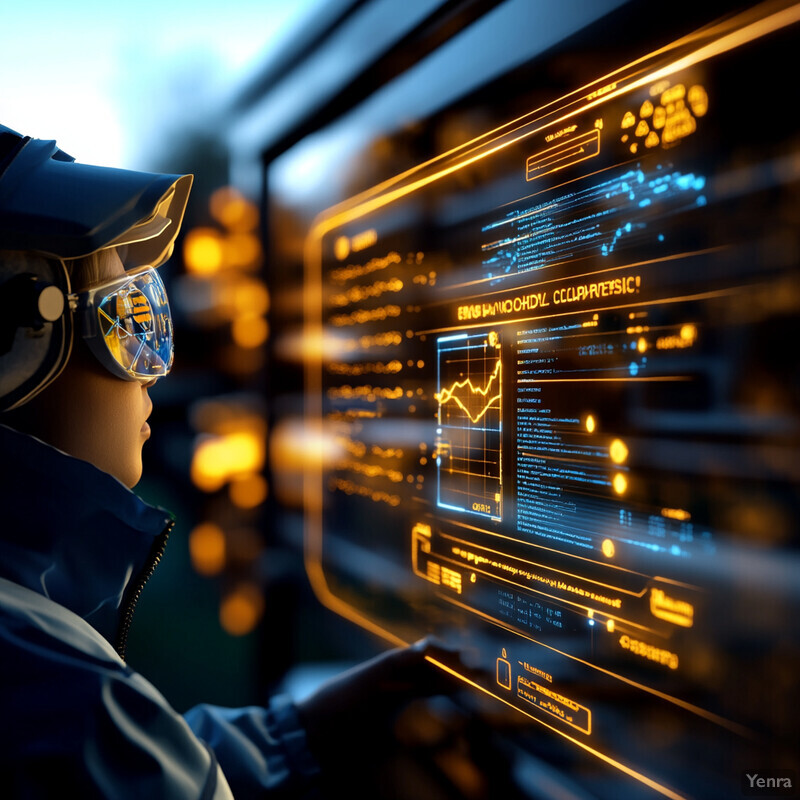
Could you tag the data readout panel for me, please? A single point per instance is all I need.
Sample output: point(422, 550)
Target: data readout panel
point(555, 381)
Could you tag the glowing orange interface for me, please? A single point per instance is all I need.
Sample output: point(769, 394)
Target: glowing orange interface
point(555, 371)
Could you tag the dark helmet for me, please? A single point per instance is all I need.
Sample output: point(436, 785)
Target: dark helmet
point(53, 210)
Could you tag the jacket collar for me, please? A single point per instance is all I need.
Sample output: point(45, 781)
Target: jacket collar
point(70, 531)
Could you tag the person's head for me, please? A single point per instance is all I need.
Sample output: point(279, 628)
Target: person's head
point(83, 335)
point(87, 411)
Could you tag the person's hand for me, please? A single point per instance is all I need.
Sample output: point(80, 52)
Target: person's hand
point(352, 712)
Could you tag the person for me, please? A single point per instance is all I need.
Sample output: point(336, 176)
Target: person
point(85, 331)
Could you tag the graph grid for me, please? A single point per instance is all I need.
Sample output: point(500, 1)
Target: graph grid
point(469, 433)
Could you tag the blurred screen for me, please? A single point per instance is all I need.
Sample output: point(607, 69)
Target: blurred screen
point(553, 375)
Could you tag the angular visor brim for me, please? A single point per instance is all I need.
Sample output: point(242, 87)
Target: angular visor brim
point(53, 205)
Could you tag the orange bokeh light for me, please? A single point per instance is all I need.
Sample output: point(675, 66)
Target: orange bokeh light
point(241, 609)
point(207, 548)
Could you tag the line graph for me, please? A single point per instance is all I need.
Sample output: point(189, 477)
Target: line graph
point(469, 443)
point(451, 394)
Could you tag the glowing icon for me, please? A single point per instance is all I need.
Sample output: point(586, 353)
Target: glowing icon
point(620, 483)
point(679, 612)
point(673, 94)
point(421, 544)
point(451, 579)
point(618, 451)
point(608, 548)
point(423, 529)
point(679, 125)
point(362, 240)
point(698, 100)
point(652, 140)
point(590, 424)
point(680, 514)
point(341, 248)
point(503, 673)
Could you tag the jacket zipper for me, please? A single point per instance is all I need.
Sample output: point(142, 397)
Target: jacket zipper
point(134, 590)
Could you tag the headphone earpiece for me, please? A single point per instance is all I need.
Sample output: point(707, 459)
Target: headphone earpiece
point(27, 302)
point(35, 325)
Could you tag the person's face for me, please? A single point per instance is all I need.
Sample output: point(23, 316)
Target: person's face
point(91, 414)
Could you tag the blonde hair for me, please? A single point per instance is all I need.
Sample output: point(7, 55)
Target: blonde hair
point(90, 270)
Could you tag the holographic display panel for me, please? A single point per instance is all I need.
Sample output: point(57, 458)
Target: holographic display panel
point(555, 373)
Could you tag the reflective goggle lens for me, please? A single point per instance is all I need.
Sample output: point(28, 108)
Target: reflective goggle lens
point(136, 326)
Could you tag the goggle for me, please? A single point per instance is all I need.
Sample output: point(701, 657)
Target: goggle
point(128, 325)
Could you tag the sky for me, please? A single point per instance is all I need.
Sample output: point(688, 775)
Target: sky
point(102, 77)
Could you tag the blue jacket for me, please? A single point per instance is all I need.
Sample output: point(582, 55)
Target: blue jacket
point(76, 547)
